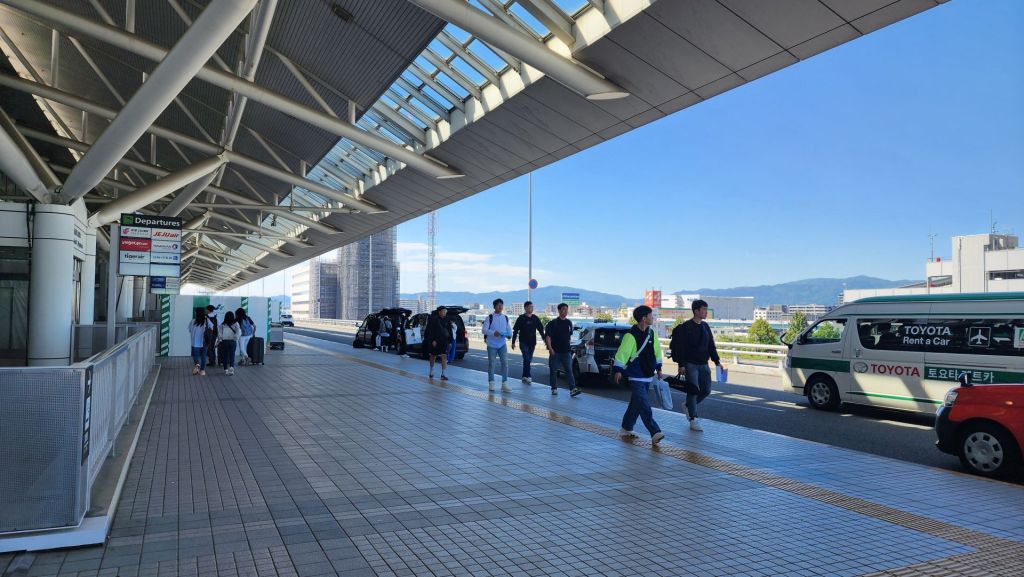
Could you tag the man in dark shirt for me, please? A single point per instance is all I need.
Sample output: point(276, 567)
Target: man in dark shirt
point(557, 335)
point(527, 327)
point(692, 346)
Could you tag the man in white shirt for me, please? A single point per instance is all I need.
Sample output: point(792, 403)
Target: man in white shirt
point(496, 330)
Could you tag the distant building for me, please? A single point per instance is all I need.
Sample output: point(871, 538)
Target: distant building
point(513, 310)
point(771, 313)
point(360, 292)
point(734, 308)
point(415, 305)
point(316, 290)
point(812, 312)
point(981, 263)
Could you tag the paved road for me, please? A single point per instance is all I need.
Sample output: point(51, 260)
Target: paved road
point(755, 401)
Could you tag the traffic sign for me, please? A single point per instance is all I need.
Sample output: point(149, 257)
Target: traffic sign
point(533, 283)
point(571, 299)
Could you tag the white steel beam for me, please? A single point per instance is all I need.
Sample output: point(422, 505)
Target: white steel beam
point(438, 87)
point(428, 101)
point(260, 231)
point(15, 161)
point(494, 32)
point(403, 102)
point(552, 17)
point(151, 193)
point(230, 82)
point(451, 43)
point(243, 238)
point(456, 76)
point(202, 146)
point(175, 70)
point(400, 121)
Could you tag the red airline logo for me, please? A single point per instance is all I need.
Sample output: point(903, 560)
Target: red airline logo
point(136, 244)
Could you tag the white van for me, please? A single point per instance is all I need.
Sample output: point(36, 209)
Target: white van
point(906, 352)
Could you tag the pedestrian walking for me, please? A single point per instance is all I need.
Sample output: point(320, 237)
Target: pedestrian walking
point(403, 324)
point(211, 335)
point(198, 329)
point(248, 330)
point(435, 340)
point(526, 329)
point(557, 336)
point(228, 334)
point(496, 330)
point(639, 359)
point(692, 346)
point(384, 336)
point(374, 326)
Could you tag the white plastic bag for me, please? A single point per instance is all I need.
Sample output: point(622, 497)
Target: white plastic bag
point(664, 394)
point(413, 337)
point(722, 374)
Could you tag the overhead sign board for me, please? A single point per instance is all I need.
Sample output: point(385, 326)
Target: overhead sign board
point(571, 299)
point(161, 285)
point(150, 246)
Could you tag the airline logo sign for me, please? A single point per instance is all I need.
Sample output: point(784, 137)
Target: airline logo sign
point(150, 246)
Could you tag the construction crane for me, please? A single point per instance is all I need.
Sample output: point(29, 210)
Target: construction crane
point(431, 252)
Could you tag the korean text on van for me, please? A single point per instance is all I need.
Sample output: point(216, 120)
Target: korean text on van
point(906, 352)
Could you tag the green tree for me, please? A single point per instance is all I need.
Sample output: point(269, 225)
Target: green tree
point(762, 333)
point(797, 325)
point(632, 321)
point(604, 317)
point(544, 319)
point(827, 331)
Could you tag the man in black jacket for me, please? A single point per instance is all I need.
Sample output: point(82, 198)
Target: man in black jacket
point(692, 346)
point(436, 338)
point(526, 329)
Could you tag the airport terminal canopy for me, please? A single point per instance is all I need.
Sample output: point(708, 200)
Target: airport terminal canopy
point(282, 129)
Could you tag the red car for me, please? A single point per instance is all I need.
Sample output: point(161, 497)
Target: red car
point(984, 426)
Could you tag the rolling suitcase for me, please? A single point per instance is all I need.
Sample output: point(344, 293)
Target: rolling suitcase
point(255, 350)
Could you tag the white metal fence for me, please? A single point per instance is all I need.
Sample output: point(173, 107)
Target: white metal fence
point(117, 377)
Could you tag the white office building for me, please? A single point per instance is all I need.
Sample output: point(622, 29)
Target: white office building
point(771, 313)
point(734, 308)
point(980, 263)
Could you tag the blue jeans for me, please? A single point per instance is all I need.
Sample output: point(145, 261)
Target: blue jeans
point(639, 406)
point(199, 357)
point(700, 375)
point(565, 361)
point(502, 354)
point(527, 351)
point(227, 353)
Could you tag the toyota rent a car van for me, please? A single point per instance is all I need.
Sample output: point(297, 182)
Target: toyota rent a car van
point(906, 352)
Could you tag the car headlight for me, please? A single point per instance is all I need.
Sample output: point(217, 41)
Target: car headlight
point(950, 398)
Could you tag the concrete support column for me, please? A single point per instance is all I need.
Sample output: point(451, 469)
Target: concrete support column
point(51, 285)
point(139, 298)
point(87, 300)
point(125, 299)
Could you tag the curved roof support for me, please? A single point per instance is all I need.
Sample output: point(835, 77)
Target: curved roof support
point(175, 70)
point(494, 32)
point(252, 91)
point(16, 161)
point(151, 193)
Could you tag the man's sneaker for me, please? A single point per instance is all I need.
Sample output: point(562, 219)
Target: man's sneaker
point(231, 372)
point(525, 380)
point(430, 375)
point(443, 377)
point(202, 373)
point(575, 392)
point(695, 425)
point(529, 380)
point(656, 438)
point(490, 386)
point(195, 370)
point(625, 433)
point(227, 372)
point(554, 391)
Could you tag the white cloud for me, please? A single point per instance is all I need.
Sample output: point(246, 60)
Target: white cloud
point(460, 271)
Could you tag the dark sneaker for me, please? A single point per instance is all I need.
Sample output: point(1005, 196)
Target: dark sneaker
point(444, 378)
point(554, 391)
point(656, 438)
point(575, 392)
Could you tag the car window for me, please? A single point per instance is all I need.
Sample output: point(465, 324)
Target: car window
point(825, 331)
point(957, 336)
point(608, 337)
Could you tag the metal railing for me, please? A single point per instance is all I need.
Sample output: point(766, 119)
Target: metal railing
point(328, 322)
point(117, 377)
point(90, 340)
point(59, 425)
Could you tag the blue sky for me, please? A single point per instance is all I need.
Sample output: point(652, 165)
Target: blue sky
point(836, 166)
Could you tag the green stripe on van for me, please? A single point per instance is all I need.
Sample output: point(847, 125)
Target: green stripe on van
point(819, 364)
point(895, 397)
point(978, 376)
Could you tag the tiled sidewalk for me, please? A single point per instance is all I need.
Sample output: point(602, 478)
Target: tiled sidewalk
point(333, 461)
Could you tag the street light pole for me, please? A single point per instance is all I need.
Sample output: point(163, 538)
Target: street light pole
point(529, 210)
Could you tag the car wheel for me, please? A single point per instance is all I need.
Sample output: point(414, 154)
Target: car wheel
point(460, 356)
point(987, 449)
point(357, 344)
point(822, 393)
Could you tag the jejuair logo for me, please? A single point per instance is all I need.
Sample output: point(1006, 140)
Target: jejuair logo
point(127, 219)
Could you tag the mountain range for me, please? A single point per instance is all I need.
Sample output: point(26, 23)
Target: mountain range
point(807, 291)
